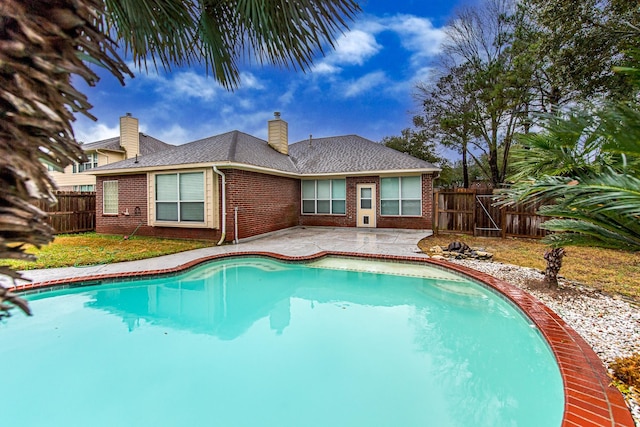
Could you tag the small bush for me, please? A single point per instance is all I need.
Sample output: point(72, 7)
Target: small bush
point(627, 370)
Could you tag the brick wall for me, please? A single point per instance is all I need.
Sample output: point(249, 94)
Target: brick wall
point(132, 194)
point(265, 203)
point(423, 222)
point(350, 219)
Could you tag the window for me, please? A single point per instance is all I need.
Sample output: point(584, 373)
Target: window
point(92, 162)
point(110, 197)
point(327, 196)
point(401, 196)
point(84, 188)
point(180, 197)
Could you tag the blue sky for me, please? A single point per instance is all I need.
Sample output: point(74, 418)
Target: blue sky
point(362, 87)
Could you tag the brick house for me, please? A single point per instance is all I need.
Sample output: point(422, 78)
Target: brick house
point(233, 186)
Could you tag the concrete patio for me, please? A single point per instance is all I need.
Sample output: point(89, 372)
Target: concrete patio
point(297, 241)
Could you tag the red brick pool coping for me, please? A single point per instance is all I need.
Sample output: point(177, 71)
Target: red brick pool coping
point(590, 399)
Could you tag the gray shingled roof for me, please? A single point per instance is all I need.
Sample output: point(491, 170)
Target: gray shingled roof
point(148, 145)
point(341, 154)
point(235, 146)
point(350, 153)
point(112, 144)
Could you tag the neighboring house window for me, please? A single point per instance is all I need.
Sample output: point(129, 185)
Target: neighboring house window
point(92, 162)
point(180, 197)
point(110, 197)
point(84, 188)
point(401, 196)
point(327, 196)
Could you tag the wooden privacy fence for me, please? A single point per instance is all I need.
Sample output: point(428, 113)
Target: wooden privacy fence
point(73, 213)
point(469, 211)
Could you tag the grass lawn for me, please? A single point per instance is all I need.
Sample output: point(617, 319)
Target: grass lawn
point(90, 248)
point(608, 270)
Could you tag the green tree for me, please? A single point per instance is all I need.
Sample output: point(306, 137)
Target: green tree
point(416, 143)
point(573, 47)
point(595, 196)
point(44, 44)
point(448, 115)
point(483, 94)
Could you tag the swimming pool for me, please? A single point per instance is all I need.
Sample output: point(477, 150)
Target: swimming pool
point(260, 342)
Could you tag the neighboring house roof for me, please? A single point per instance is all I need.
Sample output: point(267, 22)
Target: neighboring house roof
point(111, 144)
point(148, 145)
point(334, 155)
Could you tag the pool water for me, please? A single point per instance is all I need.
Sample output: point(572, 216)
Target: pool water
point(258, 342)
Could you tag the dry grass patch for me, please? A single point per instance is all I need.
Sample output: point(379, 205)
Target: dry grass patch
point(608, 270)
point(91, 248)
point(627, 370)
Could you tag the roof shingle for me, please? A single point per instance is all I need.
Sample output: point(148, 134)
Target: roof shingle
point(341, 154)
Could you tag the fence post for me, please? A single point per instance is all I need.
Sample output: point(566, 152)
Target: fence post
point(503, 221)
point(475, 208)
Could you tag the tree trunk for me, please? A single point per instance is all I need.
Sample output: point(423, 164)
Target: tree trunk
point(465, 168)
point(554, 262)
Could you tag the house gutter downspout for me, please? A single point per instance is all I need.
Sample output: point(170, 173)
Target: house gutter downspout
point(224, 206)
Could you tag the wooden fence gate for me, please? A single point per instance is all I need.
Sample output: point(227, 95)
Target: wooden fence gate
point(73, 213)
point(469, 211)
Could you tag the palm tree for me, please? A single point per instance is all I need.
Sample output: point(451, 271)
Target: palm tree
point(587, 166)
point(585, 169)
point(44, 43)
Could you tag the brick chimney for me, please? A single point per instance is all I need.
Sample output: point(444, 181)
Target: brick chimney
point(279, 134)
point(129, 136)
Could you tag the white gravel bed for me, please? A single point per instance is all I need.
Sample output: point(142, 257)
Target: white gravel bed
point(609, 324)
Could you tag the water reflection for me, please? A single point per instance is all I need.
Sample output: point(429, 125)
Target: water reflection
point(226, 299)
point(487, 366)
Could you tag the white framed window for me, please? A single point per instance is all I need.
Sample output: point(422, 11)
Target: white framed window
point(179, 197)
point(110, 197)
point(401, 196)
point(84, 188)
point(91, 163)
point(324, 196)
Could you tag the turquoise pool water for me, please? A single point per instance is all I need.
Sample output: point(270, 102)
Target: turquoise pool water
point(258, 342)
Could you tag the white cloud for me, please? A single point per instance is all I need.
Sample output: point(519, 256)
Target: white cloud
point(423, 74)
point(175, 135)
point(91, 131)
point(192, 85)
point(364, 84)
point(249, 81)
point(325, 68)
point(353, 48)
point(288, 96)
point(418, 36)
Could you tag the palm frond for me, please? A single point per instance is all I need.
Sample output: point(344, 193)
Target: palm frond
point(620, 123)
point(563, 239)
point(566, 147)
point(41, 47)
point(587, 233)
point(221, 33)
